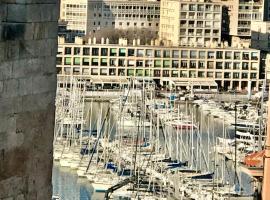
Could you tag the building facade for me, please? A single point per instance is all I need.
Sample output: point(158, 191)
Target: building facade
point(242, 13)
point(229, 67)
point(75, 14)
point(189, 23)
point(86, 16)
point(123, 14)
point(260, 35)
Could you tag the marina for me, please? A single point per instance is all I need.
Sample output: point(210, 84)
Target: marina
point(141, 146)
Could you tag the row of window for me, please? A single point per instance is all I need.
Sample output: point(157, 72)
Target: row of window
point(123, 52)
point(127, 24)
point(200, 7)
point(75, 6)
point(201, 64)
point(158, 73)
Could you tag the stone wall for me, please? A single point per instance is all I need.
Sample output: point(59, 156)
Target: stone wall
point(28, 45)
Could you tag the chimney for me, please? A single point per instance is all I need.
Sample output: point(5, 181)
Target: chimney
point(78, 40)
point(61, 40)
point(138, 42)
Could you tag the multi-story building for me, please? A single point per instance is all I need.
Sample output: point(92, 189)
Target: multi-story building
point(188, 23)
point(75, 14)
point(85, 16)
point(229, 67)
point(123, 14)
point(260, 35)
point(242, 13)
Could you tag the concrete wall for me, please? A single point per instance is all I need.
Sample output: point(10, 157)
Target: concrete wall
point(28, 45)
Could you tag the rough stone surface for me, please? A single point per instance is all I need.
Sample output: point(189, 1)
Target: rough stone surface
point(28, 45)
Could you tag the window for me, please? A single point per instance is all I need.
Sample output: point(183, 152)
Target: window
point(103, 61)
point(86, 61)
point(166, 63)
point(77, 61)
point(201, 74)
point(104, 52)
point(183, 73)
point(211, 54)
point(166, 73)
point(95, 52)
point(131, 52)
point(193, 54)
point(192, 64)
point(175, 53)
point(218, 65)
point(157, 63)
point(67, 50)
point(113, 52)
point(253, 75)
point(95, 61)
point(139, 72)
point(236, 55)
point(67, 61)
point(183, 64)
point(201, 64)
point(175, 64)
point(86, 51)
point(210, 65)
point(210, 74)
point(140, 52)
point(235, 75)
point(77, 50)
point(121, 63)
point(184, 54)
point(122, 52)
point(254, 66)
point(139, 63)
point(149, 52)
point(245, 66)
point(156, 73)
point(174, 73)
point(227, 75)
point(218, 74)
point(201, 54)
point(166, 53)
point(228, 65)
point(244, 75)
point(219, 54)
point(228, 55)
point(236, 65)
point(254, 56)
point(157, 53)
point(130, 72)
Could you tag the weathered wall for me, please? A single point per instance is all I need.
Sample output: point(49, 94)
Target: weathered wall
point(28, 45)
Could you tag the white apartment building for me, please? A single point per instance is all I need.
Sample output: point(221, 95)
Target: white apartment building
point(86, 16)
point(190, 23)
point(122, 14)
point(75, 14)
point(231, 68)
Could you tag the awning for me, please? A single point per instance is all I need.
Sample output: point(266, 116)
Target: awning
point(195, 82)
point(110, 80)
